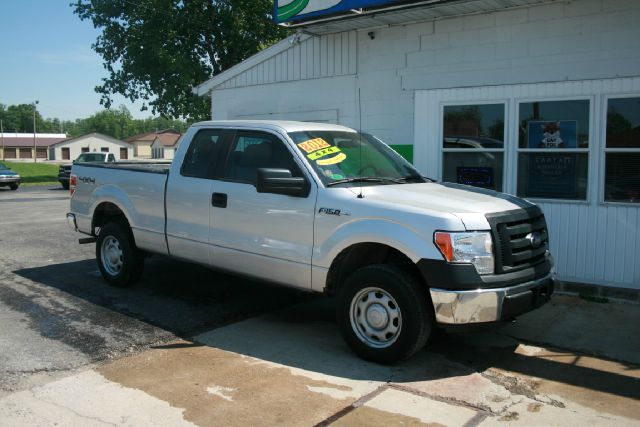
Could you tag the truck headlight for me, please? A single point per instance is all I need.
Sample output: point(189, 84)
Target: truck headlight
point(467, 247)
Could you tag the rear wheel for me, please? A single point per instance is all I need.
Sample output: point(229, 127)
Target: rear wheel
point(65, 185)
point(14, 186)
point(383, 313)
point(120, 262)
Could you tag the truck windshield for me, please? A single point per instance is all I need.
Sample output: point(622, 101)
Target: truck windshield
point(90, 157)
point(351, 158)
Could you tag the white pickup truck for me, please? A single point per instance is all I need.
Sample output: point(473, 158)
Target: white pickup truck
point(325, 209)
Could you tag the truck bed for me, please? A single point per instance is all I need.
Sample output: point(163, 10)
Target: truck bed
point(155, 167)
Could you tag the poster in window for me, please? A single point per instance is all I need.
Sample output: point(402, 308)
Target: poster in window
point(552, 134)
point(552, 175)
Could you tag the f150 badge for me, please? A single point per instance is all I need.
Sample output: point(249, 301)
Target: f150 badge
point(336, 212)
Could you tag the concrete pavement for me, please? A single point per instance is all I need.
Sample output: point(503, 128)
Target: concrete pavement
point(291, 368)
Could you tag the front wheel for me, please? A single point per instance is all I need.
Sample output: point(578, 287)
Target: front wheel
point(119, 261)
point(14, 186)
point(383, 313)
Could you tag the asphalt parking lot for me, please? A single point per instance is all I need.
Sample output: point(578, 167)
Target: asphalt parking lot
point(189, 346)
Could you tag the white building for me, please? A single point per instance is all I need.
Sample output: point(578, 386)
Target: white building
point(515, 95)
point(70, 149)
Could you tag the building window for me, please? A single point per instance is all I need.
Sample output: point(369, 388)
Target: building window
point(104, 149)
point(553, 149)
point(84, 149)
point(622, 151)
point(473, 145)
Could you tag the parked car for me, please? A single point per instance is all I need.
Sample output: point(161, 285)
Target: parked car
point(65, 170)
point(326, 209)
point(9, 178)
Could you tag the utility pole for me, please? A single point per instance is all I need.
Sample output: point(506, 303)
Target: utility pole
point(35, 147)
point(2, 137)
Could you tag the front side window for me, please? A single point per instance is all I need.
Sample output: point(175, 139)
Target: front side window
point(348, 158)
point(254, 150)
point(622, 151)
point(473, 145)
point(553, 149)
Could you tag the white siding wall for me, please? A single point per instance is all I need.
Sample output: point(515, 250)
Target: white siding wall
point(581, 39)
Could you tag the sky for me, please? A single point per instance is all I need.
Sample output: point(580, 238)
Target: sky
point(45, 55)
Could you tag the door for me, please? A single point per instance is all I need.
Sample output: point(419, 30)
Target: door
point(189, 196)
point(124, 154)
point(66, 155)
point(269, 236)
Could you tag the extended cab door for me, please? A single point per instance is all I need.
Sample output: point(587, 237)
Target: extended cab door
point(261, 234)
point(188, 195)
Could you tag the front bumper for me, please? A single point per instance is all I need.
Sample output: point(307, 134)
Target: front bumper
point(455, 307)
point(10, 179)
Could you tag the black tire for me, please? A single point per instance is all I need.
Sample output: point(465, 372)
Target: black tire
point(65, 185)
point(119, 261)
point(14, 186)
point(401, 298)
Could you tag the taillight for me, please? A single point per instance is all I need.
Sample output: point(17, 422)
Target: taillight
point(73, 182)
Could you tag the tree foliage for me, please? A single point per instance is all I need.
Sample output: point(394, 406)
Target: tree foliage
point(157, 50)
point(117, 123)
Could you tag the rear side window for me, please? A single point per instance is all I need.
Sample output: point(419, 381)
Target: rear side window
point(206, 148)
point(254, 150)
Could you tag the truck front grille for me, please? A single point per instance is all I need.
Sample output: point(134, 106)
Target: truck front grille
point(520, 237)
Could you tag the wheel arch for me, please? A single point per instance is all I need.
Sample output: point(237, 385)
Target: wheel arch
point(360, 255)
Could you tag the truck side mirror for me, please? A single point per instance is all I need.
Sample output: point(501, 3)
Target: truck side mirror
point(280, 181)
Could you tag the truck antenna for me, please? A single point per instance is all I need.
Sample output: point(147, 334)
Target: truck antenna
point(360, 195)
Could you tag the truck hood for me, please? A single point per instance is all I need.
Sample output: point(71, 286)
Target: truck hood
point(470, 204)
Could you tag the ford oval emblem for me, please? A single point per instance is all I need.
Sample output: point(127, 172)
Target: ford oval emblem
point(535, 239)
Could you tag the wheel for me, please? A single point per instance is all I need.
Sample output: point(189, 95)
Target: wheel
point(383, 313)
point(14, 186)
point(65, 185)
point(120, 262)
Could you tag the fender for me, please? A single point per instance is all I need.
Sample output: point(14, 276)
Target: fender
point(400, 237)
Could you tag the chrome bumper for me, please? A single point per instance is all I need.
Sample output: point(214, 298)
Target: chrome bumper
point(490, 305)
point(9, 179)
point(71, 221)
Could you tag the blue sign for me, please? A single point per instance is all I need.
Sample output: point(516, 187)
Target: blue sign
point(301, 10)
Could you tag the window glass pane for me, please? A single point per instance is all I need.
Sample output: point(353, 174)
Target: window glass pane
point(623, 123)
point(553, 175)
point(474, 126)
point(622, 177)
point(477, 169)
point(199, 161)
point(554, 124)
point(255, 150)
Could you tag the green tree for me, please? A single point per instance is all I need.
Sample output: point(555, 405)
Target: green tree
point(157, 50)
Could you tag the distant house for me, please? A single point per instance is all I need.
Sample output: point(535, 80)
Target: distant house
point(155, 145)
point(69, 149)
point(20, 146)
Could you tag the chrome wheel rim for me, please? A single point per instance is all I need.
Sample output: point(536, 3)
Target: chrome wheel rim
point(112, 256)
point(375, 317)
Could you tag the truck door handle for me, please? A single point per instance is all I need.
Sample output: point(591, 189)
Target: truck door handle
point(219, 200)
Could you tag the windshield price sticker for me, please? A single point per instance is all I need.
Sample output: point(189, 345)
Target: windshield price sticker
point(314, 145)
point(333, 160)
point(323, 152)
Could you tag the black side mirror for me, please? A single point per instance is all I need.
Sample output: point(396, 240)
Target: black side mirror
point(280, 181)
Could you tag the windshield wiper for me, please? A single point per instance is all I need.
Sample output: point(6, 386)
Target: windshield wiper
point(402, 180)
point(358, 179)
